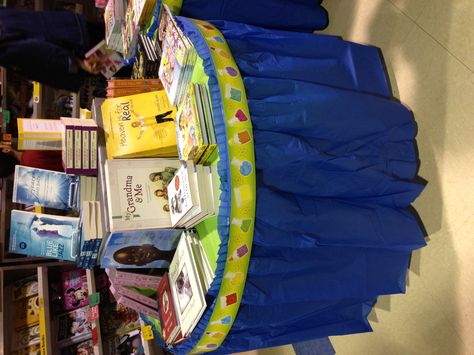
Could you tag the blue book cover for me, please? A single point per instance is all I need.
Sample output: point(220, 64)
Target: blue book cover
point(147, 248)
point(43, 235)
point(44, 187)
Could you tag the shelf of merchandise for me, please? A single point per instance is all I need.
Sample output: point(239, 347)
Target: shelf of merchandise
point(98, 348)
point(46, 340)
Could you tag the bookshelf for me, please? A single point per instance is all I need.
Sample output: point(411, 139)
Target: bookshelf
point(98, 347)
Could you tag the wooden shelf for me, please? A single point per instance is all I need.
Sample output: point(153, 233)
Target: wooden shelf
point(45, 315)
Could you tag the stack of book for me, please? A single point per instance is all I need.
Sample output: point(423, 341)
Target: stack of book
point(149, 58)
point(178, 59)
point(195, 126)
point(142, 10)
point(182, 291)
point(130, 31)
point(127, 87)
point(79, 146)
point(114, 16)
point(135, 291)
point(39, 134)
point(92, 234)
point(73, 327)
point(191, 195)
point(140, 125)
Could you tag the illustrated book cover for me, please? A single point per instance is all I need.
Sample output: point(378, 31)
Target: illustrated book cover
point(26, 312)
point(49, 236)
point(137, 196)
point(74, 286)
point(39, 134)
point(111, 60)
point(141, 125)
point(74, 326)
point(46, 188)
point(25, 287)
point(26, 336)
point(149, 248)
point(168, 316)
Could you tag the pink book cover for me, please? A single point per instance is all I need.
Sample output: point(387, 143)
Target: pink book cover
point(135, 295)
point(74, 285)
point(137, 306)
point(132, 279)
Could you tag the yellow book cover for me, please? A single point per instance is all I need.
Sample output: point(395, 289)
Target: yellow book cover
point(140, 126)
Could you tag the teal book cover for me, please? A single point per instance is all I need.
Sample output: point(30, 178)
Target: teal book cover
point(43, 235)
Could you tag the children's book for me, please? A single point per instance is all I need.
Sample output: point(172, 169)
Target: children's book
point(25, 287)
point(39, 134)
point(74, 284)
point(137, 195)
point(132, 279)
point(111, 60)
point(187, 292)
point(141, 125)
point(168, 316)
point(25, 337)
point(134, 294)
point(74, 326)
point(29, 350)
point(135, 305)
point(149, 248)
point(26, 312)
point(46, 188)
point(85, 347)
point(49, 236)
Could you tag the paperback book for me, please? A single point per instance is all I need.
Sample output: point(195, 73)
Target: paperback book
point(74, 326)
point(149, 248)
point(26, 312)
point(110, 60)
point(46, 188)
point(39, 134)
point(44, 235)
point(137, 195)
point(25, 288)
point(141, 125)
point(74, 286)
point(25, 337)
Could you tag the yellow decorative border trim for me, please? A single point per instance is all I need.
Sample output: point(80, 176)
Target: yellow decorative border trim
point(243, 189)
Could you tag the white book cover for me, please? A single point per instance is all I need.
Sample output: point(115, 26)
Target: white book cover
point(204, 175)
point(180, 197)
point(188, 295)
point(137, 195)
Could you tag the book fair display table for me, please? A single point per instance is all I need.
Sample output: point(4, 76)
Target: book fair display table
point(317, 165)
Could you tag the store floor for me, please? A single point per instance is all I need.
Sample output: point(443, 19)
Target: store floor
point(429, 49)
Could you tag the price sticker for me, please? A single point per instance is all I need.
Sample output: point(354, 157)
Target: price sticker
point(94, 312)
point(36, 92)
point(147, 332)
point(95, 335)
point(94, 299)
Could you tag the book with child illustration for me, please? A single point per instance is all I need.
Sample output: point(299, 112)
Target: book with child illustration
point(137, 195)
point(74, 326)
point(110, 60)
point(149, 248)
point(44, 235)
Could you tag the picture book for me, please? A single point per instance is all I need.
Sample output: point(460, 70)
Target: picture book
point(140, 249)
point(85, 347)
point(132, 279)
point(133, 293)
point(39, 134)
point(116, 319)
point(74, 285)
point(188, 296)
point(135, 305)
point(74, 326)
point(26, 311)
point(46, 188)
point(25, 287)
point(168, 316)
point(180, 197)
point(110, 60)
point(29, 350)
point(44, 235)
point(141, 125)
point(137, 195)
point(26, 336)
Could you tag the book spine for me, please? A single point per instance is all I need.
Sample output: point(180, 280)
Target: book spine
point(95, 253)
point(68, 148)
point(135, 280)
point(93, 150)
point(135, 295)
point(77, 149)
point(86, 150)
point(125, 91)
point(119, 83)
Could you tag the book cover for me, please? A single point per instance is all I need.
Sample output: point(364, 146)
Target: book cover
point(137, 196)
point(25, 287)
point(67, 146)
point(111, 60)
point(170, 325)
point(44, 235)
point(39, 134)
point(134, 304)
point(131, 279)
point(74, 287)
point(74, 326)
point(120, 83)
point(45, 188)
point(141, 125)
point(29, 350)
point(134, 294)
point(180, 197)
point(25, 337)
point(149, 248)
point(85, 347)
point(188, 296)
point(26, 311)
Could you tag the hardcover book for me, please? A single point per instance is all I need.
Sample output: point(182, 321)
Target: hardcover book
point(149, 248)
point(187, 292)
point(137, 195)
point(44, 235)
point(46, 188)
point(168, 316)
point(140, 125)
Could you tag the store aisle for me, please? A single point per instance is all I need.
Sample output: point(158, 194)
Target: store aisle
point(428, 46)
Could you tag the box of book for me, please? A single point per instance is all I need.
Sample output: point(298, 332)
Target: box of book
point(74, 326)
point(46, 188)
point(140, 125)
point(44, 235)
point(74, 287)
point(39, 134)
point(149, 248)
point(137, 196)
point(186, 288)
